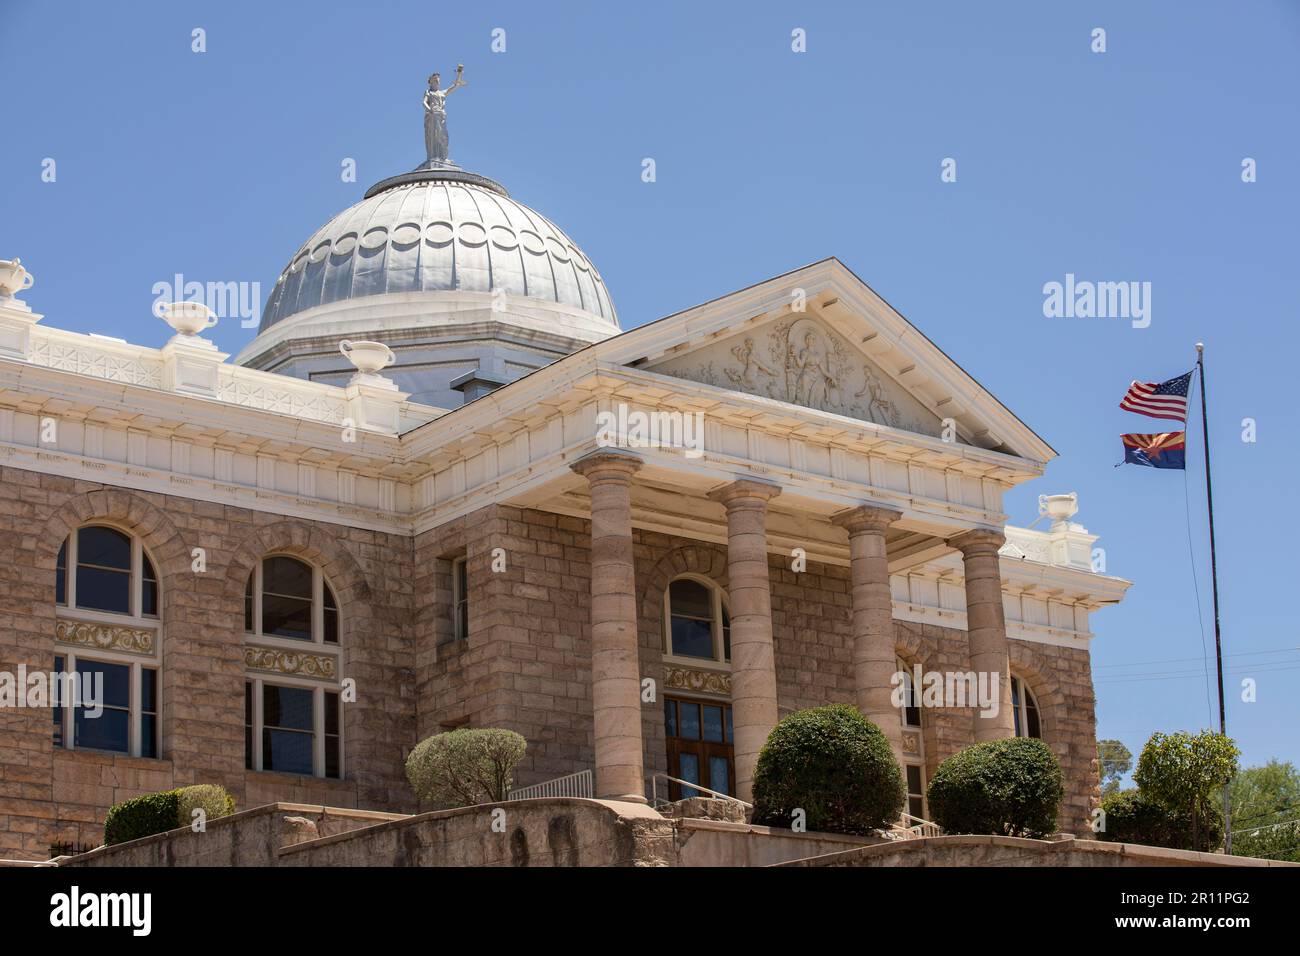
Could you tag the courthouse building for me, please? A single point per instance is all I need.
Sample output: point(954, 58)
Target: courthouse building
point(400, 509)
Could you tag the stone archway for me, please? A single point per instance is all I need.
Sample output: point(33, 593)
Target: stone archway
point(128, 509)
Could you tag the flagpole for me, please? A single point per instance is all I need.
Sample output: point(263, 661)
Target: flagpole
point(1214, 581)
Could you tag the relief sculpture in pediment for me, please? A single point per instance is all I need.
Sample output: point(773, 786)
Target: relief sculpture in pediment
point(798, 360)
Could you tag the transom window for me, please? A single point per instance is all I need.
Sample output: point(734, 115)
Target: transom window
point(289, 598)
point(698, 624)
point(102, 569)
point(1024, 708)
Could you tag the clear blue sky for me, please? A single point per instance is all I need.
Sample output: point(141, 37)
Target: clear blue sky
point(1117, 166)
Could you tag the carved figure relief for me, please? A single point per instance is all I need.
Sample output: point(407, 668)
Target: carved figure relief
point(798, 360)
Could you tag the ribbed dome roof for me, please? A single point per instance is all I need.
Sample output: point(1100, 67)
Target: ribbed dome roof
point(438, 230)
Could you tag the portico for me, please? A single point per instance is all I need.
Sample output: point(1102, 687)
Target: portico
point(618, 692)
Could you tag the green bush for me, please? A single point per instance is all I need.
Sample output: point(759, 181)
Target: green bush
point(464, 767)
point(167, 810)
point(1010, 787)
point(1133, 818)
point(835, 765)
point(210, 798)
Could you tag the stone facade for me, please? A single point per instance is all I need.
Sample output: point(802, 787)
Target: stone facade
point(53, 796)
point(525, 665)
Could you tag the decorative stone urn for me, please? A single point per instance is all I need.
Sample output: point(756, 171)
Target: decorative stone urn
point(369, 358)
point(14, 278)
point(188, 318)
point(1060, 508)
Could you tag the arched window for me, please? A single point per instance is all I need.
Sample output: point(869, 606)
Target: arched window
point(110, 573)
point(293, 720)
point(289, 598)
point(1024, 709)
point(106, 695)
point(697, 623)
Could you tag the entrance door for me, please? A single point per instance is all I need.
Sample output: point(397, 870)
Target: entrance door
point(699, 746)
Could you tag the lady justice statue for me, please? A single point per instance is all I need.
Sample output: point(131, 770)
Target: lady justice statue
point(435, 118)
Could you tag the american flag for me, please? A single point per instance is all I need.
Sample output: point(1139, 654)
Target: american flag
point(1159, 400)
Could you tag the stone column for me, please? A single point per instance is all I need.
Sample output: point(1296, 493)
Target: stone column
point(874, 654)
point(753, 661)
point(986, 624)
point(615, 662)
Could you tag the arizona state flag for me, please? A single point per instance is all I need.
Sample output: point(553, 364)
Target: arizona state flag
point(1166, 450)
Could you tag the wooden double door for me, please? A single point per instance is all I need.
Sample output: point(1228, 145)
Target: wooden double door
point(700, 746)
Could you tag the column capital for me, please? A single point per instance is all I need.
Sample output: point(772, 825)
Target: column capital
point(744, 488)
point(607, 463)
point(866, 518)
point(978, 540)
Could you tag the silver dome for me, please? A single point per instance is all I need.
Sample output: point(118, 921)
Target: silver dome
point(437, 231)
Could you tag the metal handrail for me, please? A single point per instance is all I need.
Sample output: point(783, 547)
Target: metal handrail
point(576, 785)
point(654, 791)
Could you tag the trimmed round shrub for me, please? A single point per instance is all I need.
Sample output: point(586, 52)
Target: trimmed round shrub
point(208, 797)
point(167, 810)
point(1132, 818)
point(1006, 787)
point(464, 767)
point(835, 765)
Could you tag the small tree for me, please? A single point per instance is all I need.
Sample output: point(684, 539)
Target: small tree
point(464, 767)
point(1113, 761)
point(1184, 773)
point(1008, 787)
point(834, 765)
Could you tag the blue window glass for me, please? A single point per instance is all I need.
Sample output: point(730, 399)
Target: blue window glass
point(287, 729)
point(688, 720)
point(286, 598)
point(148, 588)
point(689, 770)
point(691, 626)
point(713, 723)
point(61, 575)
point(56, 698)
point(148, 712)
point(719, 775)
point(101, 720)
point(333, 741)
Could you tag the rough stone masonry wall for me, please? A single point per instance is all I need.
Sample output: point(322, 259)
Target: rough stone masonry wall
point(52, 796)
point(526, 664)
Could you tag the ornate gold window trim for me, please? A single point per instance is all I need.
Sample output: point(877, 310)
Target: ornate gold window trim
point(291, 663)
point(106, 637)
point(697, 681)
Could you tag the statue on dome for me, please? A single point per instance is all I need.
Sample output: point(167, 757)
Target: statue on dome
point(435, 117)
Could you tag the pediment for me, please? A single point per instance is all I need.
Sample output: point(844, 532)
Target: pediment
point(800, 359)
